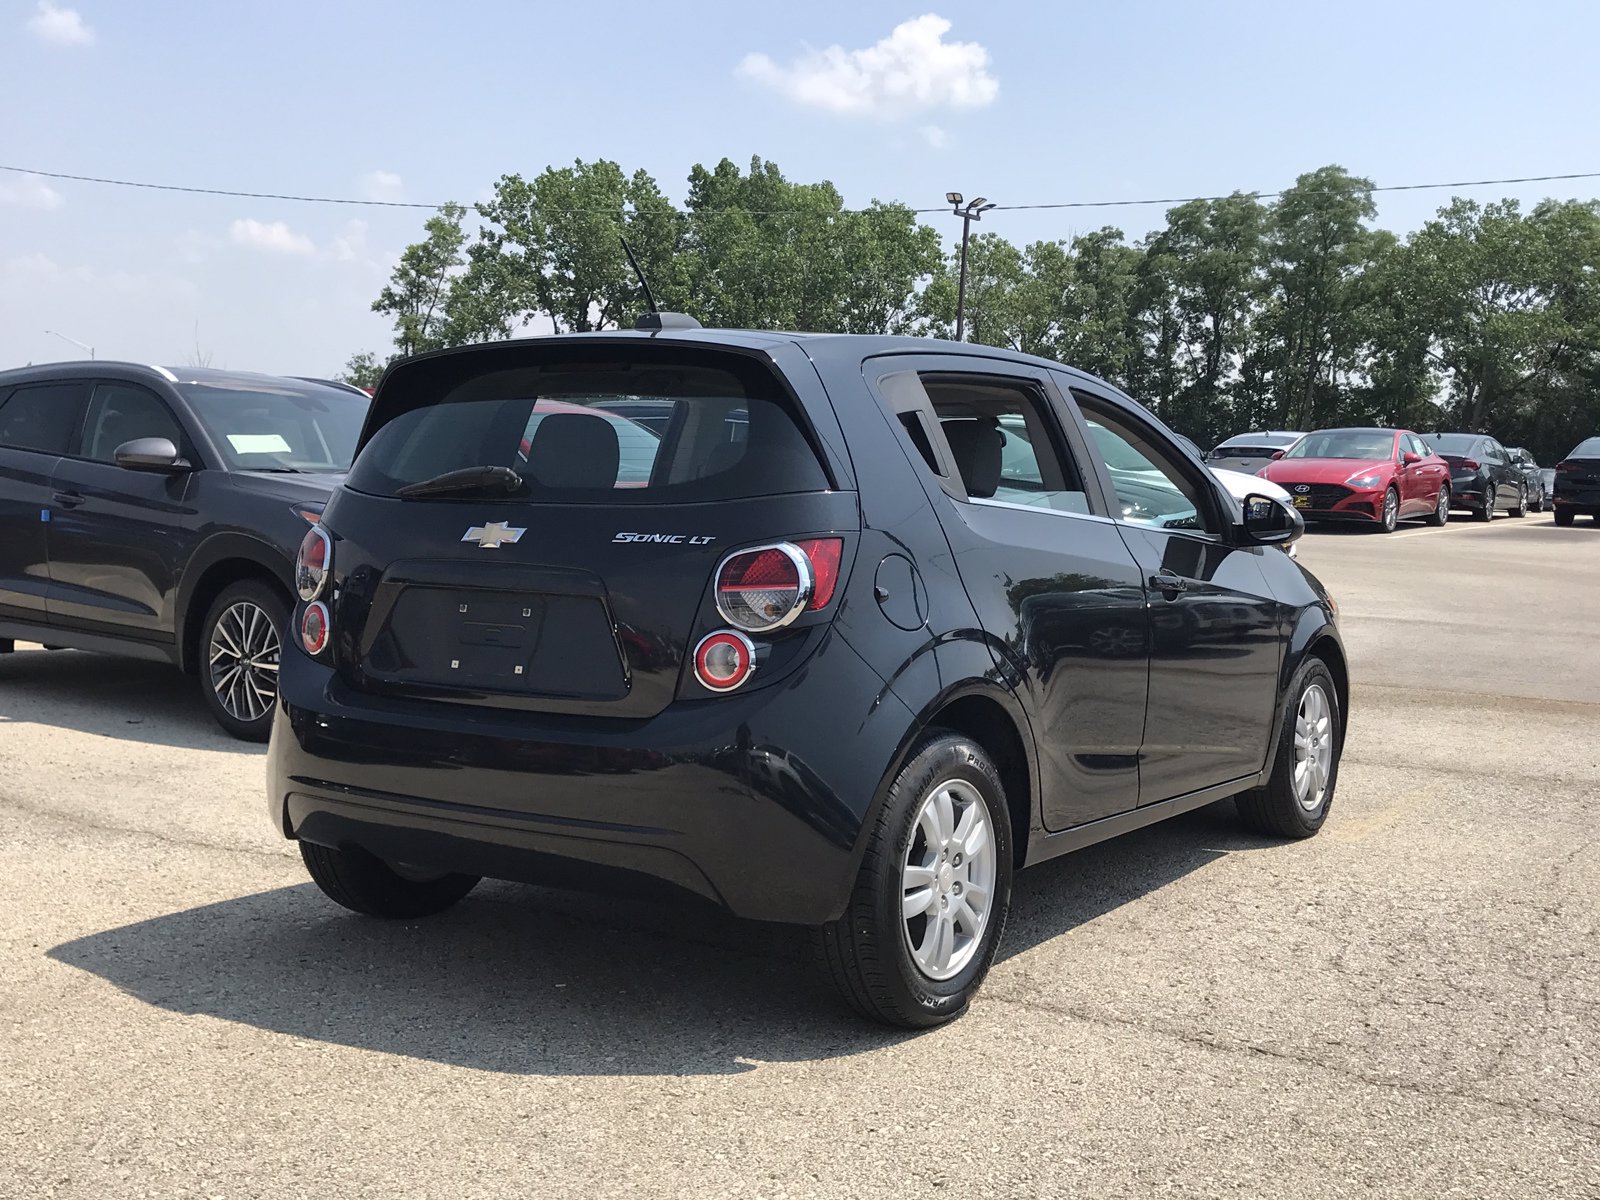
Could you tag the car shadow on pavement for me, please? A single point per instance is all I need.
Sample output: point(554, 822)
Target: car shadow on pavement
point(530, 981)
point(112, 697)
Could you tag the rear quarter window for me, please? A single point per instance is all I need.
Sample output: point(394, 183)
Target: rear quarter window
point(632, 430)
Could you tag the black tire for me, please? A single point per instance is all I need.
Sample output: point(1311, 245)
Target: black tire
point(367, 885)
point(1441, 509)
point(866, 953)
point(275, 606)
point(1563, 516)
point(1391, 514)
point(1487, 513)
point(1275, 809)
point(1520, 509)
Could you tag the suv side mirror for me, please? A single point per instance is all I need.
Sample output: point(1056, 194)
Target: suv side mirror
point(150, 454)
point(1269, 522)
point(1410, 458)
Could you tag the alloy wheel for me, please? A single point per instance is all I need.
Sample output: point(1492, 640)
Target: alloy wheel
point(1391, 509)
point(1443, 507)
point(947, 880)
point(1313, 748)
point(243, 657)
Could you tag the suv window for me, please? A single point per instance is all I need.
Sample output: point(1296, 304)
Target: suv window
point(1151, 488)
point(119, 413)
point(1002, 442)
point(571, 432)
point(43, 417)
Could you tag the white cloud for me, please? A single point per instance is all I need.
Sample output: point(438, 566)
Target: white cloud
point(351, 244)
point(382, 185)
point(934, 136)
point(274, 237)
point(28, 191)
point(59, 26)
point(912, 70)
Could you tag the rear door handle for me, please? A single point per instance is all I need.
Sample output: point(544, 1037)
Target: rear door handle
point(67, 499)
point(1168, 582)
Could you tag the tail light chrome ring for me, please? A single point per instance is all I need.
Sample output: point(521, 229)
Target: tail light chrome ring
point(743, 665)
point(309, 580)
point(807, 586)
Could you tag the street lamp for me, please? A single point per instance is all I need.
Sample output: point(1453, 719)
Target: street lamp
point(968, 212)
point(74, 341)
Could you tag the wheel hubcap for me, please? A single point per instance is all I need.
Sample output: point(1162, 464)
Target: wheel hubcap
point(244, 661)
point(1313, 748)
point(947, 880)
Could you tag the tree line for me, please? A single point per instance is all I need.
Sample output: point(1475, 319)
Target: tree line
point(1237, 314)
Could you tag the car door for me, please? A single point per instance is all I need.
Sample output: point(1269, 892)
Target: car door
point(118, 538)
point(1055, 589)
point(1216, 630)
point(37, 424)
point(1419, 483)
point(1500, 471)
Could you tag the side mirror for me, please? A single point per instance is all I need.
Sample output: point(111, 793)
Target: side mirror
point(1269, 522)
point(1276, 455)
point(1410, 458)
point(150, 454)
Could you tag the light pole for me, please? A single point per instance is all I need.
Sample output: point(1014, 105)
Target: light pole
point(74, 341)
point(968, 212)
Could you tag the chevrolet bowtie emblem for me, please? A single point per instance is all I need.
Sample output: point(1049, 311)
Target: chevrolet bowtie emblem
point(491, 536)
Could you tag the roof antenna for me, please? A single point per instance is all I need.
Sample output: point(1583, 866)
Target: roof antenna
point(649, 296)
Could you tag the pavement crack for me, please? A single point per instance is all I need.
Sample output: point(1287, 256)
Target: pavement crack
point(1230, 1046)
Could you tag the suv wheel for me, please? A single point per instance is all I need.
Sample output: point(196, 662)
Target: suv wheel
point(1488, 504)
point(366, 884)
point(1441, 508)
point(1295, 801)
point(1520, 508)
point(1563, 516)
point(930, 903)
point(239, 646)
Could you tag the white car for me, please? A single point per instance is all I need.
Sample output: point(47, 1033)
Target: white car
point(1240, 485)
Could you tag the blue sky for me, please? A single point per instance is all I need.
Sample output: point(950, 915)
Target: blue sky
point(1024, 103)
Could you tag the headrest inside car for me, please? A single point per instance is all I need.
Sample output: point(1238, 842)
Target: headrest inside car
point(574, 450)
point(976, 447)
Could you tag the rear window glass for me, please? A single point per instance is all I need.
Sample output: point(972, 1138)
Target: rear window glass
point(1453, 443)
point(629, 432)
point(1588, 448)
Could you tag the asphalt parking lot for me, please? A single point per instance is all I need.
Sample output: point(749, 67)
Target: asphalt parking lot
point(1406, 1005)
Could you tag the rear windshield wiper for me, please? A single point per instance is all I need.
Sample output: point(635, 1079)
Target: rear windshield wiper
point(467, 479)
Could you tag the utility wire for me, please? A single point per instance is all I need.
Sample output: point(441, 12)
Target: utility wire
point(204, 191)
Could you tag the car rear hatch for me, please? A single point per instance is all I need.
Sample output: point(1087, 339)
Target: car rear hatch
point(1578, 476)
point(510, 537)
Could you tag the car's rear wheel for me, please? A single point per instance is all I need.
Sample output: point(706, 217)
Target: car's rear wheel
point(1563, 516)
point(1487, 513)
point(1537, 503)
point(239, 646)
point(1391, 511)
point(1295, 800)
point(1520, 508)
point(1441, 508)
point(930, 903)
point(366, 884)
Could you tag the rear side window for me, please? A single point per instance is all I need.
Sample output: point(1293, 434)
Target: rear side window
point(633, 430)
point(42, 418)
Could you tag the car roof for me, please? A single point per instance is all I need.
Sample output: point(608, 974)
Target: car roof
point(831, 346)
point(151, 372)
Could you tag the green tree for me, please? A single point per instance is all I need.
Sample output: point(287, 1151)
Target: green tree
point(419, 295)
point(363, 370)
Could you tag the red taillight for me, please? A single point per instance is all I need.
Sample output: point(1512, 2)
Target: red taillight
point(765, 588)
point(1563, 468)
point(824, 555)
point(314, 625)
point(311, 565)
point(1470, 464)
point(723, 660)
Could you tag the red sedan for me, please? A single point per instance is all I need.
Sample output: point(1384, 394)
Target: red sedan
point(1377, 476)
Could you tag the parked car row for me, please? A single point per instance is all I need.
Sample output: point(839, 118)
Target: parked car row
point(1380, 476)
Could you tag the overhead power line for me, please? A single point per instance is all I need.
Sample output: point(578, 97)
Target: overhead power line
point(1060, 204)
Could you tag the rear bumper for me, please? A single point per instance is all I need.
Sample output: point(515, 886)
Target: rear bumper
point(1584, 501)
point(756, 802)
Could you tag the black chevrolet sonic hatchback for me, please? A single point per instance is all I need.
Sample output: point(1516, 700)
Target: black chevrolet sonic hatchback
point(851, 630)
